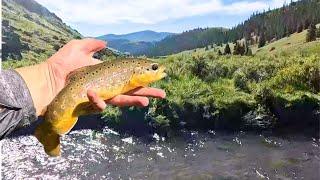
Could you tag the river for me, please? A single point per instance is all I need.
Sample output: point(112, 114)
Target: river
point(107, 154)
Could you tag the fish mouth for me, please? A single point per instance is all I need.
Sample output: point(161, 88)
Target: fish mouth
point(161, 72)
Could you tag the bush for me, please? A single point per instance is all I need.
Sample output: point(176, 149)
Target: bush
point(55, 37)
point(227, 49)
point(241, 81)
point(56, 47)
point(199, 67)
point(272, 49)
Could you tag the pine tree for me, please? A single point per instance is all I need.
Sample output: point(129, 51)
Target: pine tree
point(249, 52)
point(236, 50)
point(286, 32)
point(311, 35)
point(299, 28)
point(306, 24)
point(242, 49)
point(219, 52)
point(318, 32)
point(262, 40)
point(227, 49)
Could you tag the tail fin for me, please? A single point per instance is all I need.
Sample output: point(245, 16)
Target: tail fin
point(49, 139)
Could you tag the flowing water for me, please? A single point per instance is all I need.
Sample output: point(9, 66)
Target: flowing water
point(107, 154)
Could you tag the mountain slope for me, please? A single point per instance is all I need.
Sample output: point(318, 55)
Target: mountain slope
point(295, 43)
point(272, 25)
point(31, 32)
point(134, 43)
point(130, 47)
point(146, 36)
point(187, 40)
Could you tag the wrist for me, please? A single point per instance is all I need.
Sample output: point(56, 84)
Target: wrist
point(39, 82)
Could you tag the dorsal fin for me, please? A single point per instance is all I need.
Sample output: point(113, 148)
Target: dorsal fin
point(78, 72)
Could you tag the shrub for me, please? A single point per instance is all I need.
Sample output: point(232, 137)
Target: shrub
point(318, 32)
point(56, 47)
point(272, 49)
point(241, 81)
point(227, 49)
point(311, 35)
point(262, 40)
point(199, 66)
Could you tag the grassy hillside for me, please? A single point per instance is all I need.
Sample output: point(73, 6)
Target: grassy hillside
point(208, 91)
point(31, 33)
point(294, 43)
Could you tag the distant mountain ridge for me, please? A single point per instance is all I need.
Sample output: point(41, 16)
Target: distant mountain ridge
point(146, 36)
point(136, 42)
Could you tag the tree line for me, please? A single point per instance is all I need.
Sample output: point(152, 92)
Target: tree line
point(260, 28)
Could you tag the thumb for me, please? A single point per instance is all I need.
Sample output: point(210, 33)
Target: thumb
point(90, 45)
point(96, 61)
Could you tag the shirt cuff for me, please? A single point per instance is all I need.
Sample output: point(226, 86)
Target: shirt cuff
point(17, 108)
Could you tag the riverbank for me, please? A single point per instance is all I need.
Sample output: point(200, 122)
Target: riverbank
point(209, 91)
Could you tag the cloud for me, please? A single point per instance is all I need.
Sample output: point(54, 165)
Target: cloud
point(147, 11)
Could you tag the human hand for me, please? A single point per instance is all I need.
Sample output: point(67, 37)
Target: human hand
point(74, 55)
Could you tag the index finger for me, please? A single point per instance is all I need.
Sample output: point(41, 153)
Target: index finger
point(147, 91)
point(91, 45)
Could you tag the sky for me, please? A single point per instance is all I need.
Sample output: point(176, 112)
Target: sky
point(98, 17)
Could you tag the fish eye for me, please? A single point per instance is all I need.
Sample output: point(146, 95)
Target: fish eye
point(154, 67)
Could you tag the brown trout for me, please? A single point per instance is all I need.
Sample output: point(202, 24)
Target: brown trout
point(107, 79)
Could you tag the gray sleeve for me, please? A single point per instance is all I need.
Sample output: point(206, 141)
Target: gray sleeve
point(16, 105)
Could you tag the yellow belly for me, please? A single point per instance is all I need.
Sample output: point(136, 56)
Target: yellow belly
point(67, 120)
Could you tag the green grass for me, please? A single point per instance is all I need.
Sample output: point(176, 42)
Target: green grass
point(295, 43)
point(205, 90)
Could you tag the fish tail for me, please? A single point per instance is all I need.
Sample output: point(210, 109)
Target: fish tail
point(49, 139)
